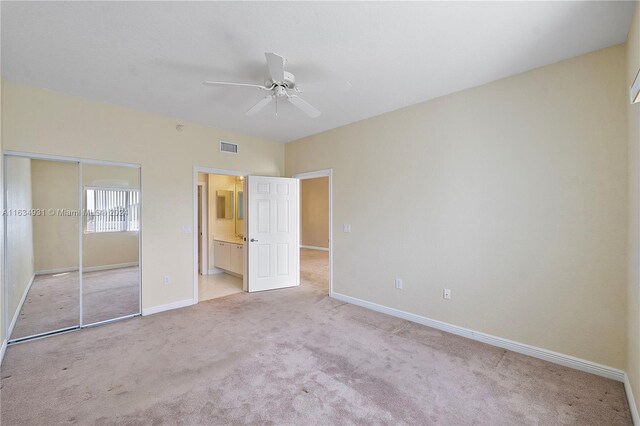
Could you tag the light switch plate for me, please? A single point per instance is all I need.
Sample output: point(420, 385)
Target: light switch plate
point(186, 229)
point(346, 227)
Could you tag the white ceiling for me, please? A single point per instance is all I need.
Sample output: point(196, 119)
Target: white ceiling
point(153, 56)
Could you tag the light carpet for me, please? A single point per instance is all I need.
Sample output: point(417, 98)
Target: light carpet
point(314, 269)
point(291, 356)
point(52, 303)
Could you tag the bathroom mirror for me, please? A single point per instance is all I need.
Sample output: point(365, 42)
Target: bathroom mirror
point(240, 205)
point(224, 204)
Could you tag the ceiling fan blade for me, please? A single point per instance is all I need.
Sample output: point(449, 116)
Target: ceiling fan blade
point(261, 104)
point(225, 83)
point(304, 106)
point(342, 86)
point(276, 66)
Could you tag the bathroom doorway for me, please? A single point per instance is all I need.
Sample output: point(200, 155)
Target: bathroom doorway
point(219, 237)
point(316, 230)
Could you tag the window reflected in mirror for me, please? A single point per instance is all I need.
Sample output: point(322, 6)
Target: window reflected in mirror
point(240, 205)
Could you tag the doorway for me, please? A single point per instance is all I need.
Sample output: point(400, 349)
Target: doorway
point(316, 240)
point(219, 240)
point(264, 249)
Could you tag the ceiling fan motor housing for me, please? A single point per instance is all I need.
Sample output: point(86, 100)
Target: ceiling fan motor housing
point(289, 81)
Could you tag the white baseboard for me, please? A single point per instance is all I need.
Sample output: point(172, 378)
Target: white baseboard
point(56, 270)
point(87, 268)
point(544, 354)
point(215, 271)
point(167, 307)
point(19, 308)
point(631, 400)
point(106, 267)
point(3, 349)
point(315, 248)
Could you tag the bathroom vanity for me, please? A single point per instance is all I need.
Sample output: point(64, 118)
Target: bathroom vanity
point(228, 254)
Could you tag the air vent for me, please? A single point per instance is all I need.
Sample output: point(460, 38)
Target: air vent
point(228, 147)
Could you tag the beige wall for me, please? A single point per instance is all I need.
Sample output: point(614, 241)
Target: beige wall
point(633, 288)
point(512, 194)
point(55, 237)
point(314, 204)
point(42, 121)
point(19, 231)
point(110, 248)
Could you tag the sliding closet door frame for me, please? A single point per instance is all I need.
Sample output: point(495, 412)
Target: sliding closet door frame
point(81, 234)
point(5, 289)
point(7, 322)
point(5, 275)
point(80, 248)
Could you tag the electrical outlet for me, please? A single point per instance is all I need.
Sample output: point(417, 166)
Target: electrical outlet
point(346, 227)
point(446, 294)
point(167, 280)
point(398, 283)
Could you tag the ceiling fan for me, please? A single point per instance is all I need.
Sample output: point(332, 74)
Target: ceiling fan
point(278, 84)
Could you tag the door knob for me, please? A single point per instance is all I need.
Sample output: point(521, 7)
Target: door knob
point(253, 241)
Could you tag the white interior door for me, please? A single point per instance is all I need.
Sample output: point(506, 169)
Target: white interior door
point(272, 233)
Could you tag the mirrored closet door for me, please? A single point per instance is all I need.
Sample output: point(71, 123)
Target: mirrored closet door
point(72, 246)
point(110, 242)
point(42, 246)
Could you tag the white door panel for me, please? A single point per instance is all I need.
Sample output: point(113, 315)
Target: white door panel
point(272, 233)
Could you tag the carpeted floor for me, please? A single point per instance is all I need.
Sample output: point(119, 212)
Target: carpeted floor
point(314, 269)
point(52, 301)
point(291, 356)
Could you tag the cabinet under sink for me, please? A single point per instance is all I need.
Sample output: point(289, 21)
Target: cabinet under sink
point(229, 256)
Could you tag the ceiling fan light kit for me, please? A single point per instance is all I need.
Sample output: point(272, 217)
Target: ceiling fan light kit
point(279, 83)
